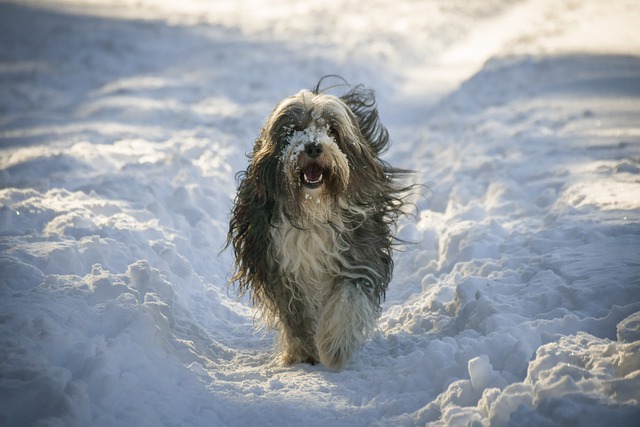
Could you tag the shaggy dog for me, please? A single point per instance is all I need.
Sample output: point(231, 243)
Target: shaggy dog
point(312, 223)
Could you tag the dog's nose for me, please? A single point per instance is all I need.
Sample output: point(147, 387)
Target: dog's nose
point(313, 150)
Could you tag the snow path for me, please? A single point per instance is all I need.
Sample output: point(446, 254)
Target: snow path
point(121, 129)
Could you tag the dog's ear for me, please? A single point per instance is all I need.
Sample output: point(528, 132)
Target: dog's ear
point(362, 102)
point(262, 177)
point(250, 222)
point(390, 193)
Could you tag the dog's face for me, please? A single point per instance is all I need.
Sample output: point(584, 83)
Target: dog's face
point(316, 141)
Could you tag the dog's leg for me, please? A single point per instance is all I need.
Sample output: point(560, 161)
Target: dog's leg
point(347, 319)
point(295, 336)
point(295, 346)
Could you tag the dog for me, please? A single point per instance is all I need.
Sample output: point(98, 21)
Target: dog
point(312, 224)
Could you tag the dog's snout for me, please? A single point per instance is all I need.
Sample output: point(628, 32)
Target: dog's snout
point(313, 150)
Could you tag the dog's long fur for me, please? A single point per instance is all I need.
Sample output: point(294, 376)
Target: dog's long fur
point(312, 223)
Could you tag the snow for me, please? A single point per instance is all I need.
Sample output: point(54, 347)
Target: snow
point(122, 125)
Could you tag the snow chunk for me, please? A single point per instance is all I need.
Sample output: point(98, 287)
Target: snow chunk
point(145, 279)
point(482, 373)
point(19, 276)
point(629, 328)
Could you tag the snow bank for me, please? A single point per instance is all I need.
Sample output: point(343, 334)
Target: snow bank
point(122, 128)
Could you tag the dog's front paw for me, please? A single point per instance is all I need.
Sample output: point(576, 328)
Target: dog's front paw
point(335, 351)
point(290, 358)
point(293, 349)
point(335, 359)
point(348, 317)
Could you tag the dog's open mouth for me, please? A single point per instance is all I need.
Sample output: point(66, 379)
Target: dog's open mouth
point(312, 176)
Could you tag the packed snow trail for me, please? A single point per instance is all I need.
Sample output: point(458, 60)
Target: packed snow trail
point(122, 127)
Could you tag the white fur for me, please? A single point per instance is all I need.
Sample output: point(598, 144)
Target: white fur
point(342, 313)
point(308, 259)
point(347, 319)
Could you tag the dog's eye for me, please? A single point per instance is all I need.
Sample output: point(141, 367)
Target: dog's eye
point(333, 133)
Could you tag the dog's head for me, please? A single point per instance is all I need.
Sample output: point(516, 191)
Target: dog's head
point(314, 137)
point(317, 150)
point(317, 159)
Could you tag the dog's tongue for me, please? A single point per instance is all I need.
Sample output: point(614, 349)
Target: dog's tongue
point(313, 172)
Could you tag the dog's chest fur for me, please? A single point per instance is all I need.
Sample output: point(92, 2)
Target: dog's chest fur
point(308, 259)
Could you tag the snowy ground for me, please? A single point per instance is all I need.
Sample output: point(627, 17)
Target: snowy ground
point(123, 123)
